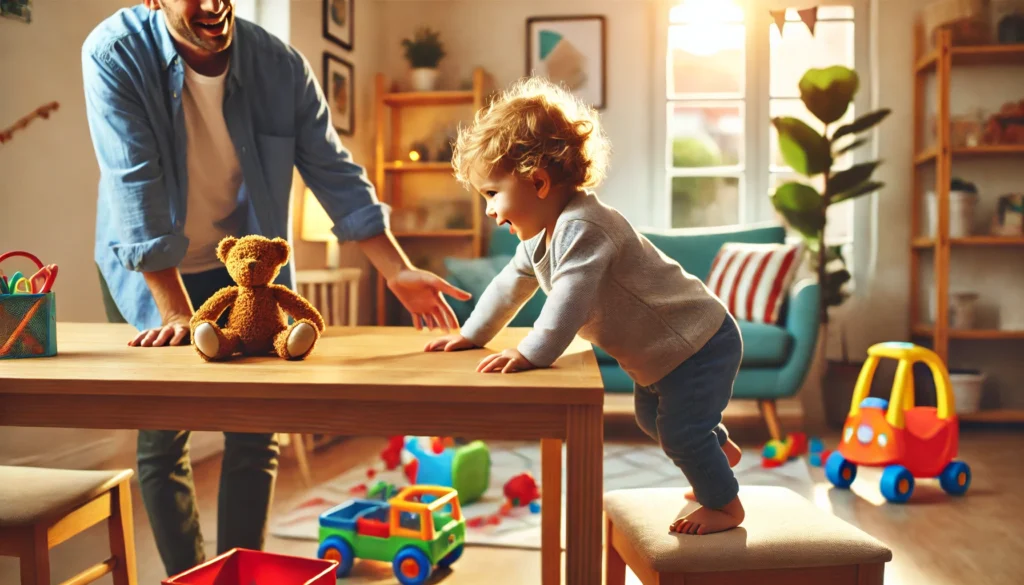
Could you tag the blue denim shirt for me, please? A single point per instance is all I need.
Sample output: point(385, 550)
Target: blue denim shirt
point(278, 119)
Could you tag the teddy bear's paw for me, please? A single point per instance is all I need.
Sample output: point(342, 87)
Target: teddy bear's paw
point(206, 340)
point(302, 337)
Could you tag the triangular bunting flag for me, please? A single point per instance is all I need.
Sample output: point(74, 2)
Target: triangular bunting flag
point(779, 16)
point(810, 17)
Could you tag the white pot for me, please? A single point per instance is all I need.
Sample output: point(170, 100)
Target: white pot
point(967, 390)
point(424, 79)
point(961, 213)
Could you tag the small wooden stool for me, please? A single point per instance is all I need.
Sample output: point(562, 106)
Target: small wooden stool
point(784, 540)
point(41, 508)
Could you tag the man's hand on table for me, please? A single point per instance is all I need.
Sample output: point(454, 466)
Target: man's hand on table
point(421, 294)
point(173, 332)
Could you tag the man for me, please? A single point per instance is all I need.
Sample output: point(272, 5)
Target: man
point(197, 120)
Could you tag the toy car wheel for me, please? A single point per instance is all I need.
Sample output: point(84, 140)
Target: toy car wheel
point(955, 478)
point(839, 471)
point(411, 566)
point(897, 484)
point(335, 548)
point(450, 559)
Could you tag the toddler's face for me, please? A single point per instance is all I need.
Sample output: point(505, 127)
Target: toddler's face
point(511, 199)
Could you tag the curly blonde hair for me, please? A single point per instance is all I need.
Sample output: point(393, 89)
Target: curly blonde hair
point(535, 124)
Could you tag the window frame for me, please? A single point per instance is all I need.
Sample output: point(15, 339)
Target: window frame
point(755, 176)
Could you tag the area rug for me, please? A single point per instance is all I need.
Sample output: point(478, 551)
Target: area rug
point(625, 466)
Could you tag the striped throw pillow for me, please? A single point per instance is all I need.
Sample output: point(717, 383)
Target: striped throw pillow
point(754, 279)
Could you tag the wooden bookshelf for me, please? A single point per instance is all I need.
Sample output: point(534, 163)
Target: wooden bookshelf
point(940, 62)
point(393, 175)
point(972, 56)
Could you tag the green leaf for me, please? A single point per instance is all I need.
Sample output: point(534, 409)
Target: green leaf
point(802, 147)
point(802, 207)
point(850, 146)
point(848, 179)
point(827, 92)
point(862, 189)
point(865, 122)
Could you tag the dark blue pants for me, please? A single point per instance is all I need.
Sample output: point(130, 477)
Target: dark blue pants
point(247, 477)
point(683, 412)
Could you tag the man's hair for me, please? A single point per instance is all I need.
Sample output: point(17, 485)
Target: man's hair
point(535, 124)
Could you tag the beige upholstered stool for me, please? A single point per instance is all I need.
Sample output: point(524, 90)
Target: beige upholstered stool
point(784, 540)
point(41, 508)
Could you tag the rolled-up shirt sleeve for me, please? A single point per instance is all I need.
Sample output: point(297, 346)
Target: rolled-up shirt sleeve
point(326, 166)
point(130, 167)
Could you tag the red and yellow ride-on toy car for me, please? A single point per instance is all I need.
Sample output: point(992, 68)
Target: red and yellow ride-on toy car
point(908, 441)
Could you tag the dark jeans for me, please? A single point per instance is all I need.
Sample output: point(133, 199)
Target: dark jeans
point(247, 476)
point(683, 412)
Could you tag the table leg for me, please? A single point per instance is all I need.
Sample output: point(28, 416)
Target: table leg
point(551, 511)
point(585, 487)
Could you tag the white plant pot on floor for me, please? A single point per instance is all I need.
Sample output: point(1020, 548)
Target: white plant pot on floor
point(424, 79)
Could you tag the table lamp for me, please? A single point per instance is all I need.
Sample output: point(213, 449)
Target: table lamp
point(316, 227)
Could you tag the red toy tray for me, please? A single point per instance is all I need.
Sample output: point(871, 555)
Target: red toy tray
point(240, 566)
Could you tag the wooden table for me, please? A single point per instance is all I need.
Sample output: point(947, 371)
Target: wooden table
point(371, 381)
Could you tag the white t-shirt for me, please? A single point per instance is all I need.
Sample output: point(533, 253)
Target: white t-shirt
point(214, 174)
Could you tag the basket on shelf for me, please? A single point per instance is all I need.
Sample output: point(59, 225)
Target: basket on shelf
point(969, 21)
point(28, 319)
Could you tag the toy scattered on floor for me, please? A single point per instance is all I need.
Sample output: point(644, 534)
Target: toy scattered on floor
point(907, 441)
point(520, 492)
point(816, 452)
point(775, 452)
point(257, 323)
point(413, 536)
point(467, 468)
point(240, 566)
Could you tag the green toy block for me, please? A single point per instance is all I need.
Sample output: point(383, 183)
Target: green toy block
point(471, 471)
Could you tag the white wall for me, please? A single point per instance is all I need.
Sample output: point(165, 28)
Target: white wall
point(48, 180)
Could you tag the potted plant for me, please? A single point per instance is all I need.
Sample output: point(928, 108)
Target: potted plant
point(827, 93)
point(423, 52)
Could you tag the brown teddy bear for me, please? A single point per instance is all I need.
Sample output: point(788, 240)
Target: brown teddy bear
point(257, 323)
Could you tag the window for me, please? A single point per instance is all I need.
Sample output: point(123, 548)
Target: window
point(728, 72)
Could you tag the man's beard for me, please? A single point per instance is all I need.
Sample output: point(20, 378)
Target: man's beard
point(214, 45)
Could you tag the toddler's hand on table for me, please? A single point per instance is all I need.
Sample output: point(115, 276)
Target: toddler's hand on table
point(452, 342)
point(508, 361)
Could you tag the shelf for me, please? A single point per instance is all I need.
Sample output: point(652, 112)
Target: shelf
point(401, 166)
point(436, 234)
point(975, 55)
point(930, 154)
point(973, 334)
point(997, 415)
point(924, 243)
point(428, 98)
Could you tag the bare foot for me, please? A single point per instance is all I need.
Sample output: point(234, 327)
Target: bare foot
point(707, 520)
point(732, 452)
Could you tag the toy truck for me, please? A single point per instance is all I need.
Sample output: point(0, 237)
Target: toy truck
point(413, 536)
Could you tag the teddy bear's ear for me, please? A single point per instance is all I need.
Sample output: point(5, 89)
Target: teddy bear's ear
point(224, 247)
point(283, 249)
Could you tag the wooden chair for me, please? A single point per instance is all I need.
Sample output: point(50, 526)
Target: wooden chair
point(41, 508)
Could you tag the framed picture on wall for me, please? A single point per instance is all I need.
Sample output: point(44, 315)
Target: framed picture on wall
point(339, 88)
point(16, 9)
point(570, 51)
point(339, 22)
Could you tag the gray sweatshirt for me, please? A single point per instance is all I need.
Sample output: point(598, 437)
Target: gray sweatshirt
point(607, 283)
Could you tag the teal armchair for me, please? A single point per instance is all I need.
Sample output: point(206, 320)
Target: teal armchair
point(776, 358)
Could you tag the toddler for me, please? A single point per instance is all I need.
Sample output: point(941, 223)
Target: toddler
point(534, 155)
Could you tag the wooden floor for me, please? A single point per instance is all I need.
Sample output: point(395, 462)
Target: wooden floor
point(975, 540)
